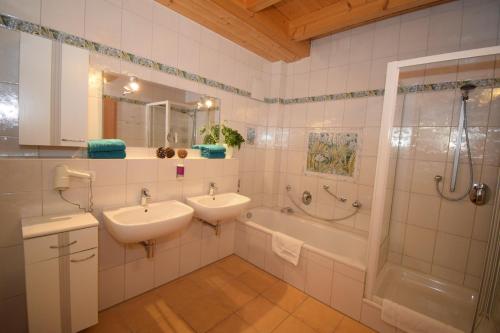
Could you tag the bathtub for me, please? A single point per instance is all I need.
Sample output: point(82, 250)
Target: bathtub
point(332, 264)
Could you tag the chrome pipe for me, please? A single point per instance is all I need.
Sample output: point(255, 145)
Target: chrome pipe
point(458, 146)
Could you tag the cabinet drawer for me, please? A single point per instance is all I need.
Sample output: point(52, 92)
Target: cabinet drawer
point(52, 246)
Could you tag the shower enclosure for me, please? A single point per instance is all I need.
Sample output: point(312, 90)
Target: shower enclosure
point(434, 229)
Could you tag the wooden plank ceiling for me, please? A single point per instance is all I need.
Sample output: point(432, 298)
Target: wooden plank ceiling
point(283, 29)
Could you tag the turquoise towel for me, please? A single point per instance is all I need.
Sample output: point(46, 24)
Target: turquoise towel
point(211, 156)
point(107, 154)
point(105, 145)
point(210, 148)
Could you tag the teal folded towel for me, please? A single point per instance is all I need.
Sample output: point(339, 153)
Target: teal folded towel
point(107, 154)
point(210, 148)
point(223, 155)
point(105, 145)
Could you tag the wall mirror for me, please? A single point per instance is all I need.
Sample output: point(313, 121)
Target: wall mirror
point(148, 114)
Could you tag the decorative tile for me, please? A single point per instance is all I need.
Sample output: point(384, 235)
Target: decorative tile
point(332, 153)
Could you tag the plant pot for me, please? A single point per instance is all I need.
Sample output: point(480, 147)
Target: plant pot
point(229, 151)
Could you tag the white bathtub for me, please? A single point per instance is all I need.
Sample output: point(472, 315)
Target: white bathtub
point(332, 263)
point(339, 245)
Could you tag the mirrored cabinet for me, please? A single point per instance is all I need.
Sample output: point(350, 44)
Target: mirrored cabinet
point(53, 90)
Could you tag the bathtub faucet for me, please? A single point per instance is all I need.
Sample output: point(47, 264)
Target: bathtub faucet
point(287, 210)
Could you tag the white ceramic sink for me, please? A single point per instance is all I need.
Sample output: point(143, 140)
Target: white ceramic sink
point(213, 208)
point(142, 223)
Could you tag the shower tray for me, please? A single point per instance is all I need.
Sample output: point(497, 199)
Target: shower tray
point(444, 301)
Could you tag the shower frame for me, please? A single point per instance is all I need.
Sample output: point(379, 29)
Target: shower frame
point(384, 151)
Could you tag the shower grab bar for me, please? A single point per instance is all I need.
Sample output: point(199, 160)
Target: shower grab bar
point(327, 189)
point(458, 147)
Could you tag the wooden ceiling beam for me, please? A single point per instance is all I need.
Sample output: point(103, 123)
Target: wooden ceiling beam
point(258, 5)
point(248, 32)
point(347, 14)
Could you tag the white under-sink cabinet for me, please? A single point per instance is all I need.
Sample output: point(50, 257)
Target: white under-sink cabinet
point(61, 280)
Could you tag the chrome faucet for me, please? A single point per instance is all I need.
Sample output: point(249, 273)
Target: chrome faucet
point(211, 189)
point(145, 196)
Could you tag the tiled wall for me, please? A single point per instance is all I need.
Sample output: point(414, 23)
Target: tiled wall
point(356, 60)
point(124, 271)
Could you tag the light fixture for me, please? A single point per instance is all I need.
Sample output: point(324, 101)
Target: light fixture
point(208, 103)
point(131, 87)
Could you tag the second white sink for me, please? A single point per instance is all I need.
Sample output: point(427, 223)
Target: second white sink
point(142, 223)
point(213, 208)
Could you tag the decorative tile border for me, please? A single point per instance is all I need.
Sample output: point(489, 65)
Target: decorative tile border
point(12, 23)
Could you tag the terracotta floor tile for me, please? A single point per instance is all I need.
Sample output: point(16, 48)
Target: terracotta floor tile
point(348, 325)
point(204, 313)
point(166, 320)
point(136, 312)
point(234, 265)
point(318, 315)
point(180, 292)
point(210, 277)
point(233, 324)
point(263, 315)
point(109, 321)
point(285, 296)
point(234, 294)
point(293, 325)
point(257, 279)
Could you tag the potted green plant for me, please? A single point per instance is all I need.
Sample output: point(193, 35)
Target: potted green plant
point(231, 137)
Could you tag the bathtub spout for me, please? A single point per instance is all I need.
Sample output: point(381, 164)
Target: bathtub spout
point(287, 210)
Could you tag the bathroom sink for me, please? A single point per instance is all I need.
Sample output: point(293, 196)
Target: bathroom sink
point(142, 223)
point(213, 208)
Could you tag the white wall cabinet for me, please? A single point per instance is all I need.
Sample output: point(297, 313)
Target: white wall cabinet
point(53, 93)
point(61, 281)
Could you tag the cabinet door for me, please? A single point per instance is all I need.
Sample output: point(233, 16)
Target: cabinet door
point(35, 76)
point(43, 296)
point(74, 96)
point(83, 289)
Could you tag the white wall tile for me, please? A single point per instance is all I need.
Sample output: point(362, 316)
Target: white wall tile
point(137, 34)
point(190, 257)
point(166, 266)
point(347, 295)
point(111, 286)
point(139, 277)
point(67, 16)
point(28, 10)
point(103, 22)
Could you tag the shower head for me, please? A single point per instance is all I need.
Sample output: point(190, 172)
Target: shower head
point(465, 90)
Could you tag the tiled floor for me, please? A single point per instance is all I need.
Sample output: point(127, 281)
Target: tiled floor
point(230, 296)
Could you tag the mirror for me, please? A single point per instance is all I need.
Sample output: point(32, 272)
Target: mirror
point(148, 114)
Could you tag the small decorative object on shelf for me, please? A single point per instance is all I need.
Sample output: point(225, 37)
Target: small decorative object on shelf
point(161, 153)
point(170, 152)
point(182, 153)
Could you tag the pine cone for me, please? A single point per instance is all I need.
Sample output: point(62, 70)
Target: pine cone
point(169, 152)
point(182, 153)
point(161, 152)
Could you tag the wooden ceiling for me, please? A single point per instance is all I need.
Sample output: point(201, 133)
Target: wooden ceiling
point(283, 29)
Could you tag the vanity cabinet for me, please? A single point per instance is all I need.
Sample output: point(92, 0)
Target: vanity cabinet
point(53, 93)
point(61, 276)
